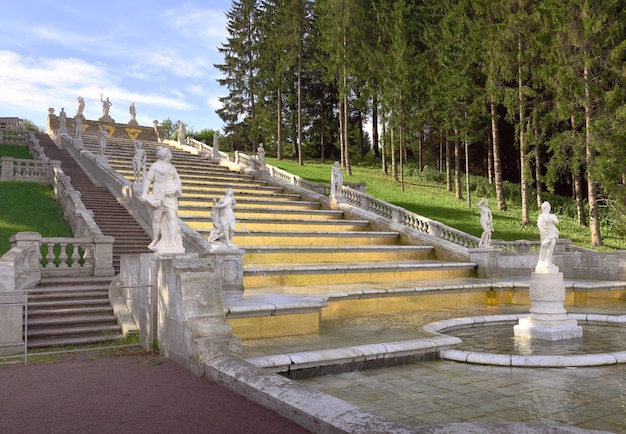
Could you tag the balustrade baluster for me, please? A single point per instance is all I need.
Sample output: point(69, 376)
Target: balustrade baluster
point(50, 256)
point(63, 256)
point(75, 257)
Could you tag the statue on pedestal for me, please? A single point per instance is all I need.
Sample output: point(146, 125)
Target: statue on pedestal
point(182, 133)
point(62, 121)
point(102, 140)
point(223, 218)
point(548, 233)
point(486, 222)
point(139, 162)
point(81, 107)
point(166, 188)
point(106, 107)
point(133, 114)
point(260, 153)
point(336, 180)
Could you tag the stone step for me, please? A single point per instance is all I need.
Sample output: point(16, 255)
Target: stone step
point(34, 312)
point(311, 238)
point(204, 224)
point(364, 272)
point(242, 198)
point(77, 339)
point(272, 213)
point(197, 209)
point(259, 255)
point(69, 320)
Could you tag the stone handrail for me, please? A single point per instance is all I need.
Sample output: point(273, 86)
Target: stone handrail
point(32, 257)
point(407, 218)
point(10, 136)
point(18, 169)
point(295, 180)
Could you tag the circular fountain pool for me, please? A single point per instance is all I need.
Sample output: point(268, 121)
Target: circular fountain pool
point(490, 340)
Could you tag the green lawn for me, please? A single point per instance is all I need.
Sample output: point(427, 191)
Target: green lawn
point(430, 199)
point(28, 206)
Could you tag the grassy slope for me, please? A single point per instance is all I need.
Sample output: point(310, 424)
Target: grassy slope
point(28, 206)
point(433, 201)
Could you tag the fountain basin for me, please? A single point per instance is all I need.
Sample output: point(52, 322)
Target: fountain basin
point(527, 360)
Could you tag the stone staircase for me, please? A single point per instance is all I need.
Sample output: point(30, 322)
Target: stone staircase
point(289, 241)
point(73, 311)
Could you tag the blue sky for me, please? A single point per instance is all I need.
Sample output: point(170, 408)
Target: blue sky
point(157, 54)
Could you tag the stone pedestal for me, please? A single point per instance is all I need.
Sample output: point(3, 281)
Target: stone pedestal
point(11, 322)
point(548, 318)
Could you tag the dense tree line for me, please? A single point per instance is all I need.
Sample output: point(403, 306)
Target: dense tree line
point(525, 89)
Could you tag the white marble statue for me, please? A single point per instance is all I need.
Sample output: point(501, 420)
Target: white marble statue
point(182, 133)
point(139, 162)
point(166, 188)
point(223, 217)
point(260, 153)
point(546, 222)
point(78, 127)
point(62, 121)
point(81, 107)
point(102, 139)
point(106, 106)
point(216, 145)
point(133, 113)
point(336, 179)
point(486, 221)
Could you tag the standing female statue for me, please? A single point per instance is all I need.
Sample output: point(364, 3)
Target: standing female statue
point(548, 232)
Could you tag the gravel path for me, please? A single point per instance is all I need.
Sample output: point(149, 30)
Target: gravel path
point(133, 393)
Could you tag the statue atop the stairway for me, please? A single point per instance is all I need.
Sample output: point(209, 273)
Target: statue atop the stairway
point(546, 222)
point(139, 162)
point(336, 180)
point(133, 114)
point(166, 188)
point(223, 218)
point(62, 121)
point(102, 140)
point(216, 145)
point(106, 107)
point(81, 108)
point(486, 222)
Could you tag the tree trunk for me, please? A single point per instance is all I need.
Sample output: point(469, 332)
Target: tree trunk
point(300, 158)
point(394, 166)
point(467, 176)
point(457, 165)
point(577, 180)
point(592, 190)
point(448, 164)
point(522, 126)
point(375, 126)
point(497, 165)
point(279, 124)
point(383, 144)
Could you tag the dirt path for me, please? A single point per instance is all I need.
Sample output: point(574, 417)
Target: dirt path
point(134, 393)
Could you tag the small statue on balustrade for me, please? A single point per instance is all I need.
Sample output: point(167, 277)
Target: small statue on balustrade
point(336, 180)
point(139, 162)
point(486, 222)
point(223, 217)
point(102, 140)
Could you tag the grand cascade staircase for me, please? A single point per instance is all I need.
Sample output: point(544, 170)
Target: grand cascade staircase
point(289, 241)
